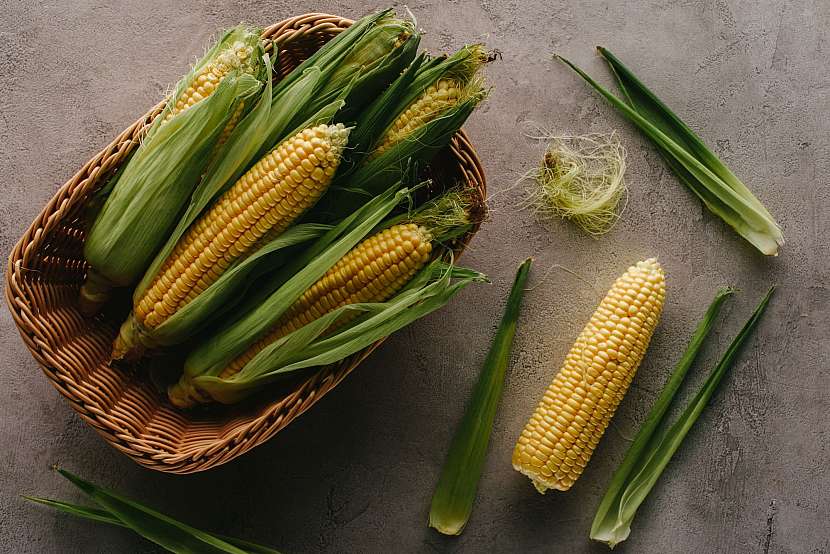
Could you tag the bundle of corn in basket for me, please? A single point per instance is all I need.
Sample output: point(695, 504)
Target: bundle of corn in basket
point(295, 237)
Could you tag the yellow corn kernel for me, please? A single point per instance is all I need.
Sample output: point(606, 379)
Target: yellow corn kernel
point(373, 271)
point(204, 82)
point(265, 200)
point(437, 98)
point(560, 437)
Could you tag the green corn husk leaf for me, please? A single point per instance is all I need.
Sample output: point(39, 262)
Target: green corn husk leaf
point(455, 493)
point(703, 174)
point(360, 177)
point(154, 187)
point(333, 51)
point(306, 347)
point(154, 526)
point(217, 350)
point(652, 108)
point(385, 51)
point(103, 516)
point(374, 176)
point(652, 449)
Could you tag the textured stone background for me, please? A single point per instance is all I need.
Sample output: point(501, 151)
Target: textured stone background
point(356, 473)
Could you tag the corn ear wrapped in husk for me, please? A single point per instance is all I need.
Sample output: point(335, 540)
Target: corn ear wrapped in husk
point(154, 187)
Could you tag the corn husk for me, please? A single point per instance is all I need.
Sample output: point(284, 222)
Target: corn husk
point(170, 534)
point(694, 164)
point(353, 66)
point(452, 502)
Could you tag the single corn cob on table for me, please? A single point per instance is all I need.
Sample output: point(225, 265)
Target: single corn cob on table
point(373, 271)
point(560, 437)
point(264, 202)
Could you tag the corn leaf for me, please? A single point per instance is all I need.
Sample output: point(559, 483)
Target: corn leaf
point(734, 204)
point(149, 519)
point(213, 354)
point(92, 514)
point(374, 176)
point(652, 450)
point(455, 494)
point(652, 108)
point(308, 347)
point(334, 50)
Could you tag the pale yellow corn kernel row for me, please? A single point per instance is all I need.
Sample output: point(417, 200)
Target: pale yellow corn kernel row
point(569, 421)
point(266, 199)
point(373, 271)
point(437, 98)
point(205, 81)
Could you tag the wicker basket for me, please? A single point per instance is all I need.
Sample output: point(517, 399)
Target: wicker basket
point(46, 269)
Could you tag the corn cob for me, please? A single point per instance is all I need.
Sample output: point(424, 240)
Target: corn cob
point(560, 437)
point(141, 208)
point(260, 205)
point(446, 91)
point(437, 98)
point(373, 271)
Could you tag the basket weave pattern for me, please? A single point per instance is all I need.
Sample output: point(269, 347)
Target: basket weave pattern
point(46, 269)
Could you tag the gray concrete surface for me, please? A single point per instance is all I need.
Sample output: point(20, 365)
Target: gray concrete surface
point(356, 473)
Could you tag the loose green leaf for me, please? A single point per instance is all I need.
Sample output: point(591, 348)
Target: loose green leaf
point(652, 108)
point(734, 204)
point(652, 450)
point(161, 529)
point(103, 516)
point(453, 500)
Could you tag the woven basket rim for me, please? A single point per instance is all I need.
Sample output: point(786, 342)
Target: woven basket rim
point(27, 300)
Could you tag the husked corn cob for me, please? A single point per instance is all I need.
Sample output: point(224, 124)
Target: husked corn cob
point(205, 80)
point(373, 271)
point(560, 437)
point(437, 98)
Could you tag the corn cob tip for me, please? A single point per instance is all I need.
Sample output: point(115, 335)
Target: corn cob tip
point(183, 394)
point(558, 440)
point(94, 293)
point(127, 345)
